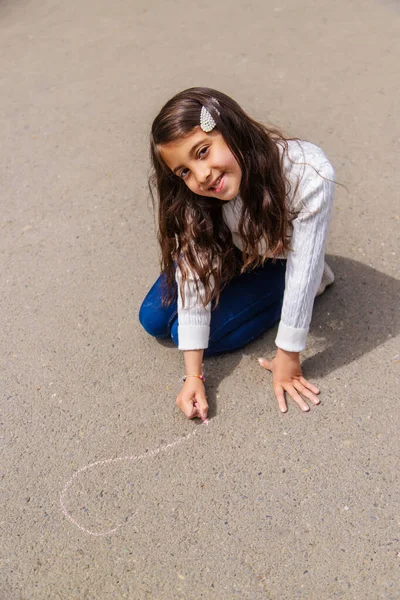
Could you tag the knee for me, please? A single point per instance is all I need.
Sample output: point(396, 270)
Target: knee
point(150, 321)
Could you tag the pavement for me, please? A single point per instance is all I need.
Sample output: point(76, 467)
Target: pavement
point(108, 492)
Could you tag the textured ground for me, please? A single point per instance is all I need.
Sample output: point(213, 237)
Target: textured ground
point(258, 505)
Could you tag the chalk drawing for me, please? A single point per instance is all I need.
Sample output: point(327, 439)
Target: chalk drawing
point(108, 461)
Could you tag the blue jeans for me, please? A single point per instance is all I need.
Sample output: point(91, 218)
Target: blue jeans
point(250, 304)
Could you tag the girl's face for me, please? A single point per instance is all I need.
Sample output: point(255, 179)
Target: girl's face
point(205, 163)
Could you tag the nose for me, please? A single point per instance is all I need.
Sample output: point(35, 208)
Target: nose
point(203, 173)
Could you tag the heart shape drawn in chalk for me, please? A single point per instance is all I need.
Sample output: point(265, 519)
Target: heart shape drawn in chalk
point(80, 513)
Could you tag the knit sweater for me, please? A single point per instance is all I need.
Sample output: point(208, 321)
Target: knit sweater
point(309, 213)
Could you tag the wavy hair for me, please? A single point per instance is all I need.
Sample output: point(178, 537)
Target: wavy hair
point(191, 228)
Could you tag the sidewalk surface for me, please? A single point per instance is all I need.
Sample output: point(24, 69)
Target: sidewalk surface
point(257, 505)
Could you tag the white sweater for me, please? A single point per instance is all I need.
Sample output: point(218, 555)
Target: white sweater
point(312, 205)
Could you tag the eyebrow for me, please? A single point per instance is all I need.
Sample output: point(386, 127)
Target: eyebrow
point(192, 152)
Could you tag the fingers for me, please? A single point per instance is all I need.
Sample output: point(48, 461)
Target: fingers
point(202, 407)
point(266, 364)
point(297, 398)
point(308, 385)
point(193, 405)
point(280, 396)
point(307, 393)
point(294, 394)
point(187, 407)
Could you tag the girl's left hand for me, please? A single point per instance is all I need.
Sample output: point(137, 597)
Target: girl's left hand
point(288, 377)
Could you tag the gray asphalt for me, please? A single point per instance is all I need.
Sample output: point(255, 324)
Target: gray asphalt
point(256, 505)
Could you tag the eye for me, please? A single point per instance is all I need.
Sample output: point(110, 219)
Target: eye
point(183, 173)
point(203, 151)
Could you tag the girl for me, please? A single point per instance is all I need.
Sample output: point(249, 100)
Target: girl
point(243, 216)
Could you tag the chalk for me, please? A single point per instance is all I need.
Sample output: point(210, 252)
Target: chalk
point(108, 461)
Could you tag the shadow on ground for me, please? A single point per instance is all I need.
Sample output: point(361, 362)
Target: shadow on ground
point(357, 314)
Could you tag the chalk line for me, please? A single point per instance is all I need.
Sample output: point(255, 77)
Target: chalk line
point(109, 461)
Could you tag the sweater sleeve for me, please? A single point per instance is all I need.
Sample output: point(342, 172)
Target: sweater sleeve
point(305, 261)
point(193, 318)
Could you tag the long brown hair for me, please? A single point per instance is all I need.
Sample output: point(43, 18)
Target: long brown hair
point(191, 229)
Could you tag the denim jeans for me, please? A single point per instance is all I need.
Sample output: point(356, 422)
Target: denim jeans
point(250, 304)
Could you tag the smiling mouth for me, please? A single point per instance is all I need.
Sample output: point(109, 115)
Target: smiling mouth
point(215, 187)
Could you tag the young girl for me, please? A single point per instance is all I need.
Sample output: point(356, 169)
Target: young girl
point(243, 217)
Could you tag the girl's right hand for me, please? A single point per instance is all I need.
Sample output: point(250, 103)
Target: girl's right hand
point(192, 399)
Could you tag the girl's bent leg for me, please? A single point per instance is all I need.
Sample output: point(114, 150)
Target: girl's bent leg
point(247, 332)
point(155, 318)
point(249, 305)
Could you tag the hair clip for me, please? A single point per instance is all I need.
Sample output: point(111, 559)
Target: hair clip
point(207, 123)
